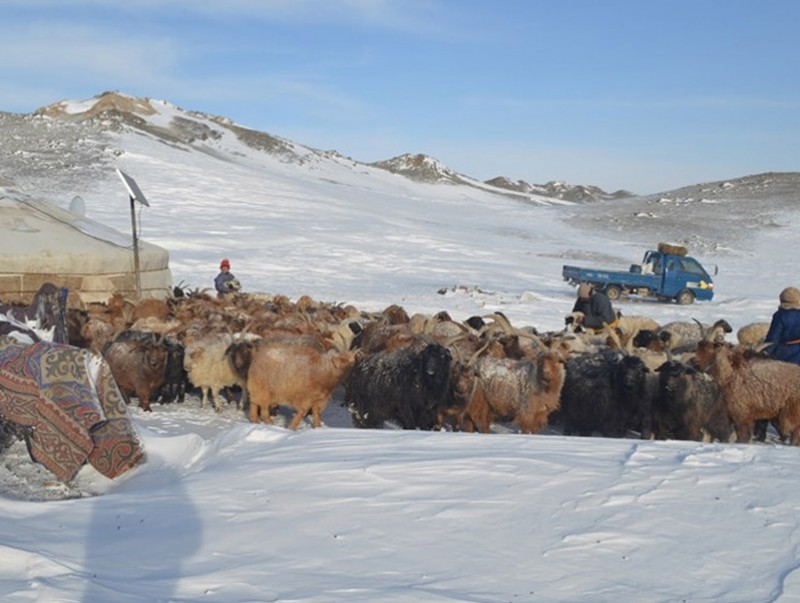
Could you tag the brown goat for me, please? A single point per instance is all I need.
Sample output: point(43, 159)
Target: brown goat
point(753, 388)
point(150, 308)
point(297, 376)
point(525, 391)
point(138, 368)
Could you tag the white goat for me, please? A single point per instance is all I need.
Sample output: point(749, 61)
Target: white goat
point(208, 368)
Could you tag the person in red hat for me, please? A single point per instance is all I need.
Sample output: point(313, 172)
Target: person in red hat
point(225, 282)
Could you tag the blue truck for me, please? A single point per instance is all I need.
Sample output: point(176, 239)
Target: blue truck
point(665, 273)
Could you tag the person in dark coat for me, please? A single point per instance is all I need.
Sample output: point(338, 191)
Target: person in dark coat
point(595, 307)
point(225, 282)
point(784, 330)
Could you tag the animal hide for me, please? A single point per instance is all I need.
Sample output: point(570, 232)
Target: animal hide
point(43, 320)
point(69, 398)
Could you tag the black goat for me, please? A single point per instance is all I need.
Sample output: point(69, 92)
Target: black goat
point(688, 405)
point(606, 392)
point(409, 387)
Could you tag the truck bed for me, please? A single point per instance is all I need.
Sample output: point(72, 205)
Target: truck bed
point(576, 274)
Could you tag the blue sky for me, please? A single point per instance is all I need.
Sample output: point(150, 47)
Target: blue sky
point(645, 95)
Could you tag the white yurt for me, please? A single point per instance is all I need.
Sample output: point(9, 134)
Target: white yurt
point(41, 242)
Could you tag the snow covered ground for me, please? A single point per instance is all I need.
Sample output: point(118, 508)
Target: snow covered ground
point(226, 511)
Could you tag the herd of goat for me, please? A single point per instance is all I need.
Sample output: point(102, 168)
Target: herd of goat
point(680, 380)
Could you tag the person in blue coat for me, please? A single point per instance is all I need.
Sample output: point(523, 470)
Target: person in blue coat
point(784, 330)
point(225, 282)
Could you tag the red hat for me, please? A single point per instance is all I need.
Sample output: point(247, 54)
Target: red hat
point(224, 263)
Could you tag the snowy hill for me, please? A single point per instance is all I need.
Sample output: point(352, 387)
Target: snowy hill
point(559, 190)
point(82, 122)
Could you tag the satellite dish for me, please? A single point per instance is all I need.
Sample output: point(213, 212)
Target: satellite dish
point(133, 189)
point(77, 206)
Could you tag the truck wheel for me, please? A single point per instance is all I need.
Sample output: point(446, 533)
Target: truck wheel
point(613, 292)
point(684, 297)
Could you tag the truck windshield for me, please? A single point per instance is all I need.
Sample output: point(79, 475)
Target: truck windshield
point(693, 267)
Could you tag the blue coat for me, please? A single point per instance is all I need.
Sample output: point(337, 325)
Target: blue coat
point(784, 328)
point(222, 280)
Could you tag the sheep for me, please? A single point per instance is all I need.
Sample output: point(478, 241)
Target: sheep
point(686, 335)
point(688, 405)
point(297, 376)
point(606, 392)
point(752, 334)
point(753, 388)
point(525, 390)
point(408, 386)
point(138, 366)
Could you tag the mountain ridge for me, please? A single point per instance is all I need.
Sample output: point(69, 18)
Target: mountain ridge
point(67, 144)
point(115, 109)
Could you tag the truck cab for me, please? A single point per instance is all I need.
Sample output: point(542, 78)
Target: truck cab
point(679, 277)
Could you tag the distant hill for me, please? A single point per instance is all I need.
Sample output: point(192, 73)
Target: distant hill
point(707, 217)
point(421, 168)
point(69, 144)
point(560, 190)
point(69, 126)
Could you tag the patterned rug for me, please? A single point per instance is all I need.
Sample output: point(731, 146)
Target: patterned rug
point(69, 398)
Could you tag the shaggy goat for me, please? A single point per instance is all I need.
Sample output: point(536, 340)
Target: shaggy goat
point(138, 365)
point(525, 390)
point(297, 376)
point(688, 405)
point(754, 388)
point(686, 335)
point(606, 392)
point(207, 367)
point(407, 386)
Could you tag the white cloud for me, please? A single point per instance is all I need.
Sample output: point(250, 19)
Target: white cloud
point(78, 51)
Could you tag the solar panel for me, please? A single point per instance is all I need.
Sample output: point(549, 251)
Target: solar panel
point(133, 189)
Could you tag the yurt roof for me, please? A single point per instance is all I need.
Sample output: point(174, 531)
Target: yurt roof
point(39, 240)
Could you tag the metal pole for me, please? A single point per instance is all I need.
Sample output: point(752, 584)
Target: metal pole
point(136, 252)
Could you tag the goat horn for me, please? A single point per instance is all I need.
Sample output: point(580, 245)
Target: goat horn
point(614, 337)
point(703, 333)
point(480, 351)
point(503, 321)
